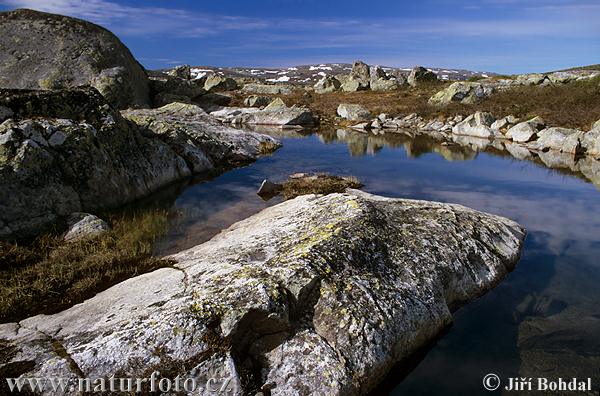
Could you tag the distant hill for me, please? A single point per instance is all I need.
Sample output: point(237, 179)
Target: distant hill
point(590, 67)
point(310, 74)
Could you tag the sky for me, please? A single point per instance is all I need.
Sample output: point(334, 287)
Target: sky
point(503, 36)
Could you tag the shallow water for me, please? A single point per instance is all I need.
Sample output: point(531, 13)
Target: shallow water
point(542, 321)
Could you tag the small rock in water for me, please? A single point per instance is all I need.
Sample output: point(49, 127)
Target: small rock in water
point(268, 189)
point(84, 226)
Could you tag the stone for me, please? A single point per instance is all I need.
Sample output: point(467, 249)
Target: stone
point(212, 101)
point(361, 72)
point(318, 293)
point(352, 86)
point(381, 84)
point(47, 51)
point(590, 142)
point(217, 83)
point(268, 189)
point(183, 71)
point(276, 103)
point(462, 92)
point(83, 226)
point(353, 112)
point(420, 75)
point(5, 113)
point(327, 84)
point(525, 131)
point(596, 125)
point(164, 87)
point(53, 164)
point(476, 125)
point(257, 101)
point(268, 89)
point(560, 139)
point(277, 114)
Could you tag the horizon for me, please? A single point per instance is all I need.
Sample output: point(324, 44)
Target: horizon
point(498, 36)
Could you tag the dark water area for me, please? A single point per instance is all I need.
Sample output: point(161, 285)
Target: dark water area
point(542, 321)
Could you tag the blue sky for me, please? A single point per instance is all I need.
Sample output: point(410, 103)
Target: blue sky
point(506, 36)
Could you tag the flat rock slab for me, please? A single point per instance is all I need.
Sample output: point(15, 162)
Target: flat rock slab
point(318, 295)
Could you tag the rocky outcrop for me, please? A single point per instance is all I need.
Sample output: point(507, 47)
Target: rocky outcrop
point(476, 125)
point(590, 141)
point(359, 79)
point(47, 51)
point(421, 75)
point(327, 84)
point(461, 92)
point(257, 101)
point(166, 88)
point(268, 89)
point(317, 295)
point(276, 113)
point(218, 83)
point(69, 151)
point(526, 131)
point(564, 140)
point(353, 112)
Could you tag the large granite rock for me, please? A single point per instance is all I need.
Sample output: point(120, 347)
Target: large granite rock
point(268, 89)
point(166, 88)
point(319, 295)
point(276, 113)
point(462, 92)
point(353, 112)
point(420, 75)
point(564, 140)
point(476, 125)
point(69, 151)
point(590, 141)
point(47, 51)
point(202, 141)
point(526, 131)
point(218, 83)
point(359, 79)
point(327, 84)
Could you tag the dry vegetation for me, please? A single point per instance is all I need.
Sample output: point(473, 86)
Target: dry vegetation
point(49, 275)
point(318, 184)
point(573, 105)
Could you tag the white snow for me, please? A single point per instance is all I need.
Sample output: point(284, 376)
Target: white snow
point(280, 79)
point(320, 67)
point(292, 68)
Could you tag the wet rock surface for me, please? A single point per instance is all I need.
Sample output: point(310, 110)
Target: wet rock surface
point(317, 295)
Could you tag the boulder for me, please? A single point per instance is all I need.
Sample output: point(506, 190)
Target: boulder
point(217, 83)
point(46, 51)
point(590, 142)
point(382, 84)
point(361, 72)
point(164, 86)
point(327, 84)
point(268, 189)
point(183, 71)
point(420, 75)
point(84, 226)
point(69, 151)
point(317, 295)
point(560, 139)
point(212, 100)
point(202, 141)
point(476, 125)
point(268, 89)
point(257, 101)
point(276, 113)
point(596, 125)
point(276, 103)
point(462, 92)
point(532, 79)
point(504, 123)
point(526, 131)
point(351, 85)
point(353, 112)
point(164, 98)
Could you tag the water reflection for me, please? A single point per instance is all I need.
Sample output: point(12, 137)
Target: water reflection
point(544, 320)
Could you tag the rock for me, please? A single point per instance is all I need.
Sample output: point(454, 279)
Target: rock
point(419, 75)
point(165, 98)
point(504, 123)
point(327, 84)
point(316, 295)
point(211, 101)
point(275, 104)
point(203, 142)
point(218, 83)
point(477, 125)
point(257, 101)
point(363, 126)
point(590, 142)
point(5, 113)
point(461, 92)
point(361, 72)
point(164, 86)
point(268, 189)
point(53, 164)
point(183, 71)
point(596, 125)
point(353, 112)
point(84, 226)
point(560, 139)
point(384, 85)
point(46, 51)
point(275, 89)
point(352, 86)
point(532, 79)
point(526, 131)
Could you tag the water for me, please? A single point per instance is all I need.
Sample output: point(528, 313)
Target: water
point(542, 321)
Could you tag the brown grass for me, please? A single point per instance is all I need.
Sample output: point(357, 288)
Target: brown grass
point(49, 275)
point(318, 184)
point(573, 105)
